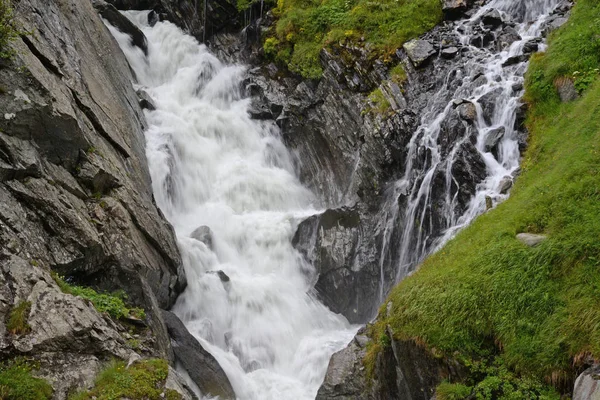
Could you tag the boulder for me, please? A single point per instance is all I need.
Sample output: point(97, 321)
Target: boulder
point(419, 51)
point(531, 239)
point(566, 89)
point(587, 385)
point(202, 367)
point(146, 102)
point(505, 185)
point(488, 104)
point(122, 23)
point(492, 139)
point(203, 234)
point(492, 18)
point(467, 111)
point(450, 52)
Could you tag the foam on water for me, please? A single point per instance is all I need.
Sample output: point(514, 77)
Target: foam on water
point(211, 165)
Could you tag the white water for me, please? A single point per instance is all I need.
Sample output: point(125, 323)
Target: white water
point(211, 165)
point(416, 240)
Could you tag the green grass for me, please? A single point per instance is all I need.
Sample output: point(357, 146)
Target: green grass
point(8, 30)
point(380, 104)
point(304, 27)
point(142, 380)
point(111, 303)
point(17, 383)
point(17, 320)
point(489, 300)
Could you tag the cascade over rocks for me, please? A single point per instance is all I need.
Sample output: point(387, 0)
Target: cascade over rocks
point(122, 23)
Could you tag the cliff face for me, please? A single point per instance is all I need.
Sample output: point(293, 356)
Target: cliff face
point(75, 194)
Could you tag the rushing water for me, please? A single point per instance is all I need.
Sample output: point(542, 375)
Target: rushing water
point(417, 236)
point(211, 165)
point(249, 299)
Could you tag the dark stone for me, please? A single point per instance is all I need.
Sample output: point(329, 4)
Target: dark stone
point(505, 185)
point(122, 23)
point(202, 367)
point(515, 60)
point(492, 140)
point(419, 51)
point(492, 18)
point(531, 46)
point(203, 234)
point(455, 9)
point(488, 104)
point(146, 101)
point(507, 37)
point(449, 52)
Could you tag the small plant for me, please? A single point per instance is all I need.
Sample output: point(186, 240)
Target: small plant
point(380, 104)
point(17, 321)
point(17, 383)
point(112, 304)
point(452, 391)
point(142, 380)
point(8, 30)
point(398, 74)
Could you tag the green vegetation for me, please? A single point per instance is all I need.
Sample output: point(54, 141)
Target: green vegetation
point(398, 74)
point(142, 380)
point(8, 30)
point(112, 304)
point(17, 321)
point(304, 27)
point(529, 316)
point(381, 105)
point(17, 383)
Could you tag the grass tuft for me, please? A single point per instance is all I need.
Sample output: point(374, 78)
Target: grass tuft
point(17, 383)
point(142, 380)
point(17, 321)
point(112, 304)
point(304, 27)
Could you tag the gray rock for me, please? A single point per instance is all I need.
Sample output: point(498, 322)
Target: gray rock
point(455, 9)
point(492, 17)
point(146, 102)
point(419, 51)
point(467, 111)
point(531, 239)
point(566, 89)
point(450, 52)
point(488, 104)
point(203, 234)
point(492, 140)
point(587, 385)
point(505, 185)
point(202, 367)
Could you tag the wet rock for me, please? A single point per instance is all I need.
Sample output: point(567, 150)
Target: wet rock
point(515, 60)
point(455, 9)
point(489, 204)
point(587, 385)
point(146, 102)
point(467, 111)
point(566, 89)
point(505, 185)
point(203, 234)
point(492, 139)
point(419, 51)
point(507, 37)
point(488, 104)
point(492, 18)
point(553, 23)
point(122, 23)
point(483, 40)
point(450, 52)
point(202, 367)
point(531, 239)
point(531, 46)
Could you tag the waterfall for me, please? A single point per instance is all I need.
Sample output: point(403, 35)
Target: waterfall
point(410, 229)
point(249, 299)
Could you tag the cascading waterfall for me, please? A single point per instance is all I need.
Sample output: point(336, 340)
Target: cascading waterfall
point(410, 203)
point(248, 298)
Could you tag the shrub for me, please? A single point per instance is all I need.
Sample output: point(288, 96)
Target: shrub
point(8, 30)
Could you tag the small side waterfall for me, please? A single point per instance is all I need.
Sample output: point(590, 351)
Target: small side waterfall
point(424, 208)
point(249, 297)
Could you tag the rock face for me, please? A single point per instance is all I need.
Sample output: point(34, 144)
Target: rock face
point(202, 367)
point(402, 370)
point(75, 194)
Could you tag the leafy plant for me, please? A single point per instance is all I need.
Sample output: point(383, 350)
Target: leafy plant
point(8, 29)
point(17, 382)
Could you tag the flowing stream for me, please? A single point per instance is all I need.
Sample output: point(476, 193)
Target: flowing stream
point(487, 73)
point(248, 299)
point(227, 185)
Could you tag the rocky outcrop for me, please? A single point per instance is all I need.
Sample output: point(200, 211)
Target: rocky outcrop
point(75, 195)
point(401, 370)
point(202, 367)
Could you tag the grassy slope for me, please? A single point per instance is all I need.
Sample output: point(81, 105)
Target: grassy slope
point(485, 296)
point(304, 27)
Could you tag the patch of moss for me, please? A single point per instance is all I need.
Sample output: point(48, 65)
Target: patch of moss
point(304, 27)
point(17, 321)
point(144, 380)
point(17, 382)
point(112, 304)
point(380, 104)
point(528, 316)
point(398, 74)
point(8, 29)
